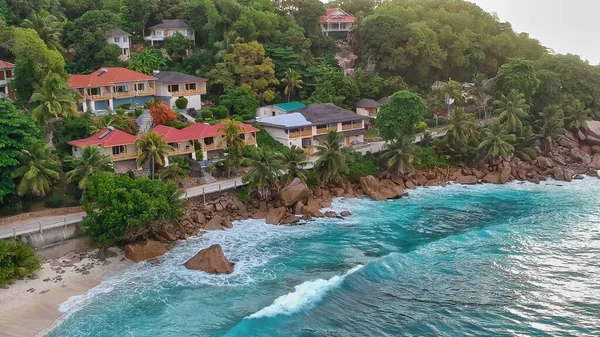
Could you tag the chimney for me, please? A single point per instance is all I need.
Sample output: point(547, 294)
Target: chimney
point(102, 72)
point(156, 71)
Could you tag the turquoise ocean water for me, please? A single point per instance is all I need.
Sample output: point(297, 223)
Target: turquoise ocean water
point(485, 260)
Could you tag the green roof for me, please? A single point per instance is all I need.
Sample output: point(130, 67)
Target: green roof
point(290, 106)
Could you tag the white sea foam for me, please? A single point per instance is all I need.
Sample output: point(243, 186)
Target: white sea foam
point(304, 296)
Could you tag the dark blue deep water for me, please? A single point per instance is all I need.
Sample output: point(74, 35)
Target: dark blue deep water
point(513, 260)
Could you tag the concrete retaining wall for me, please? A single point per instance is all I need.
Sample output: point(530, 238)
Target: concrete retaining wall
point(52, 236)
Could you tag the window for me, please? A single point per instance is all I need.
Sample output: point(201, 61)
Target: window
point(173, 88)
point(116, 150)
point(140, 86)
point(117, 39)
point(125, 51)
point(125, 39)
point(121, 88)
point(190, 86)
point(9, 74)
point(242, 136)
point(209, 140)
point(321, 126)
point(325, 26)
point(174, 145)
point(93, 91)
point(2, 78)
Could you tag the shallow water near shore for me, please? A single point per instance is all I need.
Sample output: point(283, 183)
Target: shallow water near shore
point(484, 260)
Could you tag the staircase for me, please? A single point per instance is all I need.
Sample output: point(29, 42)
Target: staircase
point(144, 122)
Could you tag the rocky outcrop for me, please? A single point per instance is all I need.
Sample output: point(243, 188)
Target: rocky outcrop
point(380, 189)
point(144, 250)
point(216, 223)
point(595, 163)
point(580, 156)
point(210, 260)
point(275, 215)
point(293, 192)
point(466, 179)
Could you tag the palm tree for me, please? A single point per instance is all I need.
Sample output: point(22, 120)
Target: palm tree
point(230, 39)
point(294, 159)
point(54, 100)
point(512, 110)
point(91, 161)
point(331, 164)
point(146, 61)
point(48, 27)
point(266, 169)
point(575, 114)
point(497, 141)
point(38, 169)
point(525, 147)
point(457, 122)
point(231, 136)
point(550, 126)
point(480, 90)
point(292, 82)
point(179, 168)
point(152, 146)
point(398, 154)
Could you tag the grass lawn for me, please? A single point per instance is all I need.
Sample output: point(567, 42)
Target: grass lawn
point(372, 133)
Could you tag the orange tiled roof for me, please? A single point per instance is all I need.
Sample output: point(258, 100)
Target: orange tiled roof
point(329, 17)
point(107, 76)
point(4, 64)
point(173, 135)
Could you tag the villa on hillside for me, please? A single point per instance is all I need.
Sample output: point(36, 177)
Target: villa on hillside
point(110, 87)
point(211, 141)
point(6, 76)
point(367, 107)
point(118, 145)
point(172, 85)
point(122, 39)
point(169, 28)
point(306, 127)
point(181, 142)
point(277, 109)
point(336, 23)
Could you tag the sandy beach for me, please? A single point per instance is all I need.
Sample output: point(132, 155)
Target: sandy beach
point(31, 306)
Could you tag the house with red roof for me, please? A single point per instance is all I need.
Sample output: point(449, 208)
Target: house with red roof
point(181, 141)
point(210, 137)
point(336, 23)
point(111, 87)
point(6, 76)
point(117, 144)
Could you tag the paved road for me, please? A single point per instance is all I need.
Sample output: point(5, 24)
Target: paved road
point(33, 225)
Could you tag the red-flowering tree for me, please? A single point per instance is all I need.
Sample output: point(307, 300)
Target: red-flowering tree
point(162, 113)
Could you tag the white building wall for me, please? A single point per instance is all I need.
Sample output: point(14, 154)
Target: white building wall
point(269, 111)
point(194, 101)
point(362, 112)
point(279, 135)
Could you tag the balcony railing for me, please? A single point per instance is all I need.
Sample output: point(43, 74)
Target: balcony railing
point(295, 134)
point(346, 127)
point(146, 92)
point(309, 151)
point(124, 156)
point(213, 146)
point(123, 94)
point(187, 149)
point(250, 141)
point(100, 97)
point(322, 131)
point(188, 93)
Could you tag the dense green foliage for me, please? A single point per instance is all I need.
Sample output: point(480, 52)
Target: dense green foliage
point(360, 166)
point(17, 260)
point(118, 206)
point(17, 132)
point(400, 116)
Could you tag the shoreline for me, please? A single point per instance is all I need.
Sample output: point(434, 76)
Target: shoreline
point(30, 307)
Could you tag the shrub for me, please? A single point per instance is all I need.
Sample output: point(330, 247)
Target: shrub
point(17, 260)
point(266, 141)
point(360, 166)
point(181, 103)
point(199, 154)
point(206, 114)
point(120, 111)
point(237, 118)
point(138, 111)
point(26, 206)
point(199, 120)
point(220, 112)
point(162, 113)
point(54, 201)
point(125, 106)
point(142, 204)
point(311, 178)
point(427, 157)
point(151, 103)
point(242, 193)
point(177, 124)
point(420, 127)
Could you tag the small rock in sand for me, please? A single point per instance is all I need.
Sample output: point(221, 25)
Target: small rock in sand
point(45, 291)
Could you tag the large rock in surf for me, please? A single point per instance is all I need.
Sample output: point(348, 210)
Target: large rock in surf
point(275, 215)
point(595, 164)
point(211, 260)
point(380, 190)
point(293, 192)
point(144, 250)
